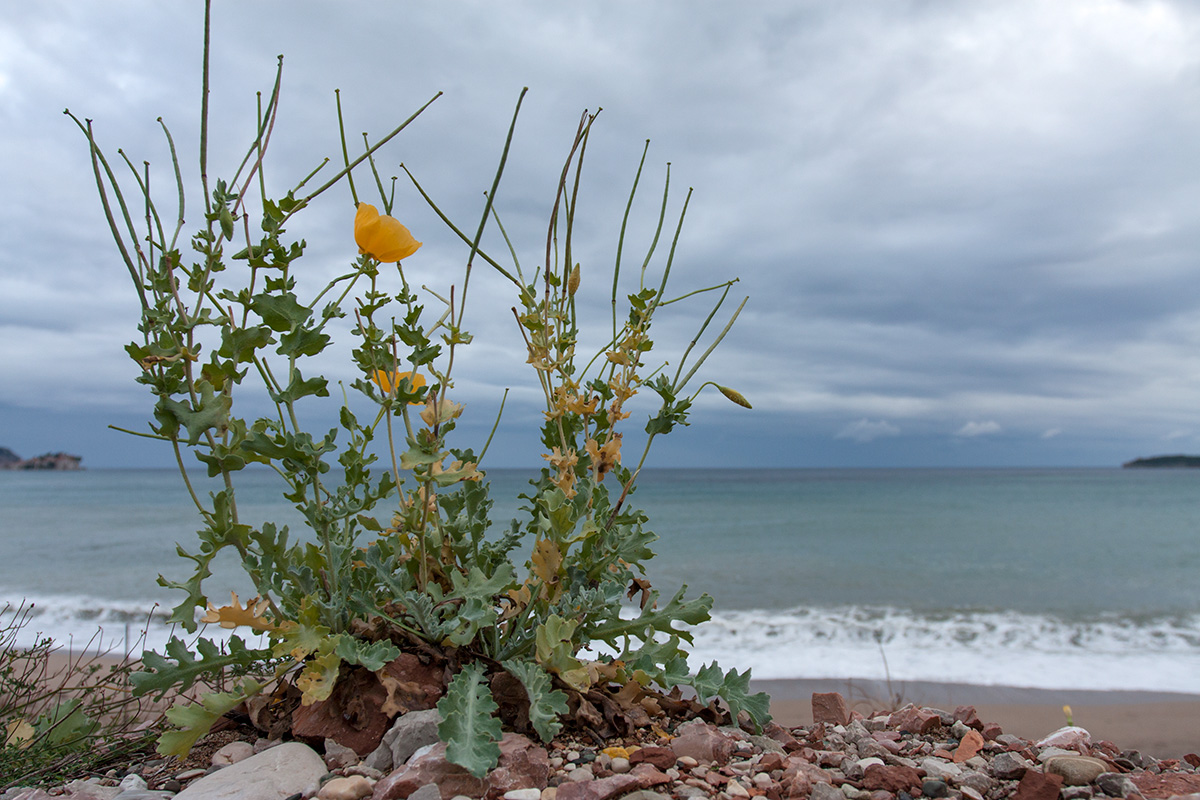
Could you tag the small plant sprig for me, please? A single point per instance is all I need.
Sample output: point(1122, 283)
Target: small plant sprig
point(63, 713)
point(354, 595)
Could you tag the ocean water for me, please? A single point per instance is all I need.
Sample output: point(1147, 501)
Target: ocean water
point(1050, 578)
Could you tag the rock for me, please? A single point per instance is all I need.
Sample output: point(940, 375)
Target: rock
point(602, 789)
point(351, 788)
point(1115, 784)
point(977, 782)
point(231, 753)
point(855, 770)
point(661, 757)
point(524, 794)
point(969, 747)
point(825, 791)
point(427, 792)
point(146, 794)
point(360, 709)
point(735, 789)
point(935, 788)
point(1038, 786)
point(701, 741)
point(968, 716)
point(408, 734)
point(132, 782)
point(1075, 770)
point(1076, 793)
point(890, 778)
point(87, 790)
point(940, 769)
point(830, 708)
point(1070, 738)
point(767, 744)
point(273, 774)
point(1009, 766)
point(1166, 785)
point(28, 793)
point(642, 794)
point(915, 720)
point(522, 765)
point(337, 756)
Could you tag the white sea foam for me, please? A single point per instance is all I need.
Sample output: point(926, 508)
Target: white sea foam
point(977, 647)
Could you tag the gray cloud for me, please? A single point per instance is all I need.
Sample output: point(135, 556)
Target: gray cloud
point(941, 212)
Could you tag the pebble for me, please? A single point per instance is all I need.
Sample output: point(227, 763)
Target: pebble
point(822, 763)
point(523, 794)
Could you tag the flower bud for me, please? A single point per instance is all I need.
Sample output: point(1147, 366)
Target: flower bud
point(734, 395)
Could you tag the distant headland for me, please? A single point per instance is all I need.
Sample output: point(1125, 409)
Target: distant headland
point(1164, 462)
point(54, 461)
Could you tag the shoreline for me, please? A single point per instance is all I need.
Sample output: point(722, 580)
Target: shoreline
point(1160, 724)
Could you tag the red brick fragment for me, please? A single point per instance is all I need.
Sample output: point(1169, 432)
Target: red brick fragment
point(969, 747)
point(1157, 787)
point(830, 708)
point(915, 720)
point(1192, 759)
point(661, 757)
point(891, 778)
point(991, 730)
point(968, 716)
point(1036, 785)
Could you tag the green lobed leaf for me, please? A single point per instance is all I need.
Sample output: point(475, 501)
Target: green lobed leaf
point(734, 688)
point(469, 727)
point(546, 704)
point(161, 673)
point(196, 719)
point(372, 655)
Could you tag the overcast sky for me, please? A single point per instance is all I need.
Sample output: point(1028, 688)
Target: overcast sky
point(969, 231)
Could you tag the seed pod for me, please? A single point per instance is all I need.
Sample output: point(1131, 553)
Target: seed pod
point(573, 281)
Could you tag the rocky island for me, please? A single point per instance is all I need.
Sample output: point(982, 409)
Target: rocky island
point(48, 461)
point(1164, 462)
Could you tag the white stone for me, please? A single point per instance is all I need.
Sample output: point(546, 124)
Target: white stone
point(232, 753)
point(735, 789)
point(580, 774)
point(523, 794)
point(352, 788)
point(1069, 736)
point(940, 769)
point(273, 774)
point(133, 781)
point(550, 793)
point(619, 765)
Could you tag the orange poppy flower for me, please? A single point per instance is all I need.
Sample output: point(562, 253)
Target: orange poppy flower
point(390, 381)
point(382, 237)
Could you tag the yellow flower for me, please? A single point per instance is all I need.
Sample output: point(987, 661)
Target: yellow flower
point(390, 381)
point(382, 237)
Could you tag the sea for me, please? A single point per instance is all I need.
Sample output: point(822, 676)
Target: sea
point(1047, 578)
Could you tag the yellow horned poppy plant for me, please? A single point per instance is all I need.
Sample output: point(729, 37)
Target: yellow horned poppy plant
point(382, 237)
point(390, 381)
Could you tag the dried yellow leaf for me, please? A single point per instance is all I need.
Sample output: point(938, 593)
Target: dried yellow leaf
point(235, 615)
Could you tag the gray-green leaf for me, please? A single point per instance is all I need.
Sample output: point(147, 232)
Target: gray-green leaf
point(546, 703)
point(468, 726)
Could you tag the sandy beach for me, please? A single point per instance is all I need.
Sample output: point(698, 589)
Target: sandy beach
point(1161, 724)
